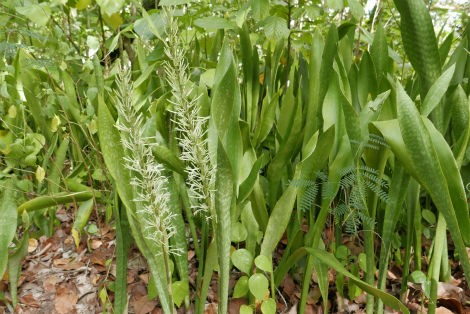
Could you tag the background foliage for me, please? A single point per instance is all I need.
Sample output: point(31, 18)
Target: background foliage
point(237, 124)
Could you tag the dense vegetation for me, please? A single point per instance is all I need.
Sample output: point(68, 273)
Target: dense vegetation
point(265, 136)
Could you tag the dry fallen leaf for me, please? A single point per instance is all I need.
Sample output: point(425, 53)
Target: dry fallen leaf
point(143, 305)
point(235, 304)
point(443, 310)
point(65, 300)
point(288, 286)
point(211, 308)
point(50, 283)
point(32, 245)
point(95, 244)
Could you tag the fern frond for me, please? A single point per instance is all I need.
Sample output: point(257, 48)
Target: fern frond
point(309, 197)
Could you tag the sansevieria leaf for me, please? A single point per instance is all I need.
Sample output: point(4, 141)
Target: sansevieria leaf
point(428, 158)
point(330, 260)
point(113, 154)
point(8, 217)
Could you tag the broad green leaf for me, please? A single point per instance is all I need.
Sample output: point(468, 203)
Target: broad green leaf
point(356, 9)
point(332, 262)
point(437, 91)
point(214, 22)
point(37, 13)
point(180, 290)
point(246, 309)
point(8, 221)
point(268, 306)
point(258, 284)
point(110, 7)
point(275, 28)
point(238, 232)
point(264, 263)
point(260, 9)
point(150, 25)
point(243, 260)
point(241, 287)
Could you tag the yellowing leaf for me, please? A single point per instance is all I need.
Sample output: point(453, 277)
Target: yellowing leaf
point(114, 20)
point(40, 174)
point(55, 124)
point(12, 112)
point(82, 4)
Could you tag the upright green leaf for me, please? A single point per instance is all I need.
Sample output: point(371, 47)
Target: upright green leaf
point(223, 203)
point(8, 218)
point(331, 261)
point(226, 107)
point(419, 41)
point(437, 91)
point(428, 158)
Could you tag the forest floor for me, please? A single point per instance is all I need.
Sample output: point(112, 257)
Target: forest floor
point(60, 278)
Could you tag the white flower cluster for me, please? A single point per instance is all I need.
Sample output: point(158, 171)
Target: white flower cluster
point(189, 124)
point(148, 180)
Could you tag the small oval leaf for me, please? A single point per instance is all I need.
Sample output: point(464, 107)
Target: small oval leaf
point(258, 285)
point(243, 260)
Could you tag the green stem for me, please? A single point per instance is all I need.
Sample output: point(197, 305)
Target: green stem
point(435, 267)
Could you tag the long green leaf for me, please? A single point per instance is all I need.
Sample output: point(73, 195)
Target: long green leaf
point(223, 203)
point(437, 91)
point(332, 262)
point(55, 199)
point(8, 221)
point(14, 267)
point(428, 158)
point(419, 41)
point(122, 250)
point(226, 107)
